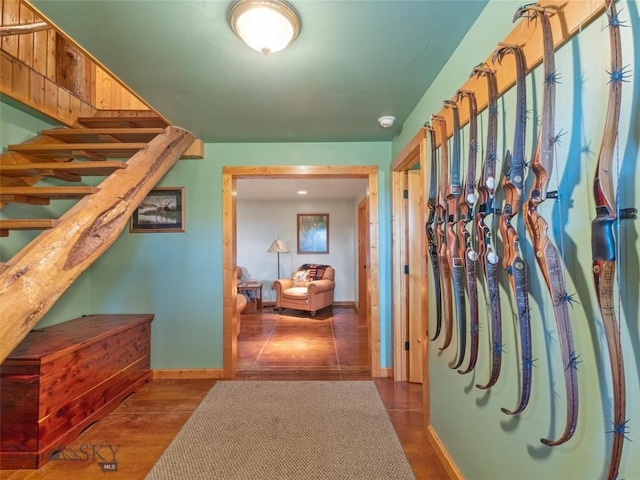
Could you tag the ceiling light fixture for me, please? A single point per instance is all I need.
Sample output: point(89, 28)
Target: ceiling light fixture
point(302, 192)
point(267, 26)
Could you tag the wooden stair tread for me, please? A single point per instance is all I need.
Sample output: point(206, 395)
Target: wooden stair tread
point(123, 121)
point(96, 135)
point(62, 192)
point(28, 223)
point(99, 169)
point(79, 150)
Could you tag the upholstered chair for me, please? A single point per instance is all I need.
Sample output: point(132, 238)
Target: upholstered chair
point(310, 288)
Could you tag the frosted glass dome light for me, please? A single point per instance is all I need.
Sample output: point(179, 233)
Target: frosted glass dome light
point(267, 26)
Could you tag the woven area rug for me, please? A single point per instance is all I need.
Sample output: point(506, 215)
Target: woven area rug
point(286, 430)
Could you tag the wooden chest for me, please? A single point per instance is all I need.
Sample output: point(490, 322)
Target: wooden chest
point(63, 378)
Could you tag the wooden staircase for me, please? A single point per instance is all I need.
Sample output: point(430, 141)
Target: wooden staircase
point(145, 147)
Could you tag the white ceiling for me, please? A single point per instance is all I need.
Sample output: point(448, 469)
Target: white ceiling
point(286, 189)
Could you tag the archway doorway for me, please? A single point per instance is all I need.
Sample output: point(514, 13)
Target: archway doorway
point(229, 177)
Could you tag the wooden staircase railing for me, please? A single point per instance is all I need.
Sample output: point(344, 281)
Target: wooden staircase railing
point(33, 280)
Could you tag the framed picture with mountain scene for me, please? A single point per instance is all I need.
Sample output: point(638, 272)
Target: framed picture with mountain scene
point(161, 211)
point(313, 233)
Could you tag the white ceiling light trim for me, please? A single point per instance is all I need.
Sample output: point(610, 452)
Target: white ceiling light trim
point(267, 26)
point(386, 121)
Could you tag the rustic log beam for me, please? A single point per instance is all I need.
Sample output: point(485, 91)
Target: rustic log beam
point(43, 270)
point(7, 30)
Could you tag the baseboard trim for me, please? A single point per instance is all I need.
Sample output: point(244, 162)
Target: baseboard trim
point(443, 455)
point(179, 374)
point(345, 305)
point(386, 373)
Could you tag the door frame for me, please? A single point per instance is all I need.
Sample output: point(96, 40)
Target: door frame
point(363, 257)
point(414, 154)
point(229, 247)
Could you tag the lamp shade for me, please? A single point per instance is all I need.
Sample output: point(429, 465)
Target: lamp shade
point(278, 246)
point(265, 25)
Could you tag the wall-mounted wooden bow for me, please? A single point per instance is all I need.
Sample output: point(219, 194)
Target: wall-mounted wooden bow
point(466, 206)
point(603, 241)
point(441, 242)
point(485, 208)
point(513, 186)
point(430, 231)
point(547, 255)
point(456, 264)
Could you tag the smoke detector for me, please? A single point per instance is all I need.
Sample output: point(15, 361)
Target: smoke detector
point(386, 121)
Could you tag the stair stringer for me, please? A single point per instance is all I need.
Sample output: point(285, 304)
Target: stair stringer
point(35, 278)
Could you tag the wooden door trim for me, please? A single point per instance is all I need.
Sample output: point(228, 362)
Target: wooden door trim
point(362, 241)
point(399, 248)
point(414, 154)
point(229, 245)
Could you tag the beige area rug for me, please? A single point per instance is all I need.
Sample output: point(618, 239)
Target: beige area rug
point(286, 430)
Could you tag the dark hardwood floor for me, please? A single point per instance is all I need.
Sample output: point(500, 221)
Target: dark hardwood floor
point(291, 346)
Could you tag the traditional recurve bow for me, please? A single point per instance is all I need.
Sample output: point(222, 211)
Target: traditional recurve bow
point(456, 264)
point(603, 239)
point(547, 255)
point(467, 203)
point(513, 185)
point(487, 190)
point(441, 242)
point(431, 238)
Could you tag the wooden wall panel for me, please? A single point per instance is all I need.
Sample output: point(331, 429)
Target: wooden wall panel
point(51, 54)
point(50, 96)
point(25, 41)
point(70, 67)
point(20, 81)
point(6, 74)
point(10, 16)
point(109, 94)
point(40, 49)
point(48, 72)
point(63, 105)
point(36, 89)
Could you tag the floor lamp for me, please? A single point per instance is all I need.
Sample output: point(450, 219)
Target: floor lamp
point(278, 246)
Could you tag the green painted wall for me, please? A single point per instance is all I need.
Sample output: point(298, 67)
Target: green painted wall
point(483, 442)
point(17, 124)
point(178, 276)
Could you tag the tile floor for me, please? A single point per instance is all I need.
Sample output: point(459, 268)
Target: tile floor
point(333, 345)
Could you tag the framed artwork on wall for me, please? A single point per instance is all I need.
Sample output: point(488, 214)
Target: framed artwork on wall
point(161, 211)
point(313, 233)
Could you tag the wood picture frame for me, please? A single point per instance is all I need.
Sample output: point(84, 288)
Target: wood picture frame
point(162, 210)
point(313, 233)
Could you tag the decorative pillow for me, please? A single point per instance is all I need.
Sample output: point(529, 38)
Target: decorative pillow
point(300, 278)
point(316, 272)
